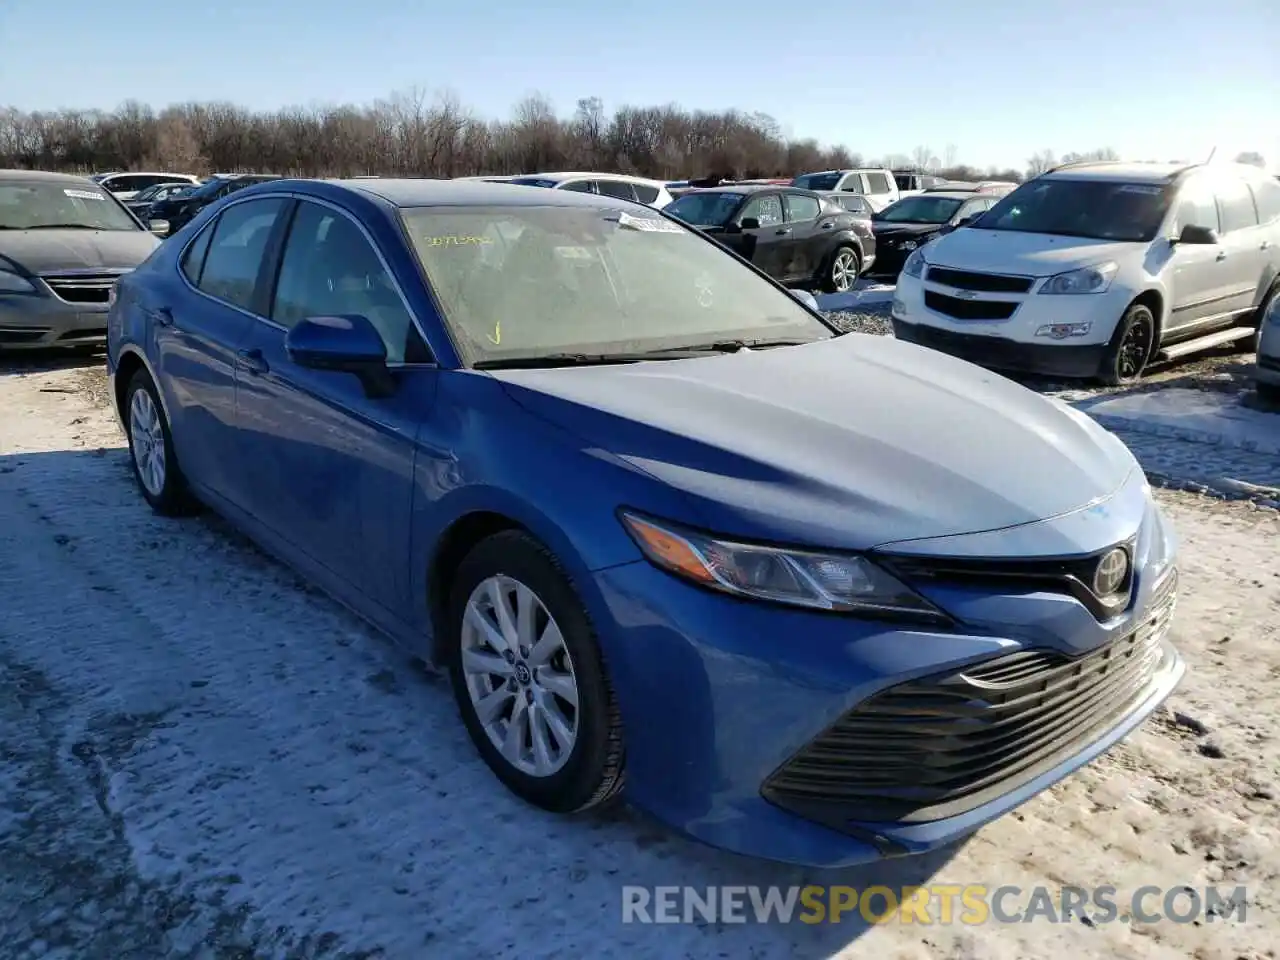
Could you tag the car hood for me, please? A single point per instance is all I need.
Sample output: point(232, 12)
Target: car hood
point(851, 443)
point(48, 251)
point(882, 229)
point(1024, 254)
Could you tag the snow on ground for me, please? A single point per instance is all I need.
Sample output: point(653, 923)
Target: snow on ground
point(205, 759)
point(1197, 415)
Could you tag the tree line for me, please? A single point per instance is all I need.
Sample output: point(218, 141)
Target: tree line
point(410, 134)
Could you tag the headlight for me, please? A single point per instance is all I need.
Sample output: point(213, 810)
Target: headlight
point(801, 578)
point(915, 264)
point(12, 283)
point(1094, 279)
point(909, 245)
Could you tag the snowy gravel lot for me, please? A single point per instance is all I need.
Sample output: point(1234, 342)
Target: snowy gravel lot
point(202, 758)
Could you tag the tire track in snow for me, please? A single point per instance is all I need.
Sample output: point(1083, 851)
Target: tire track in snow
point(282, 770)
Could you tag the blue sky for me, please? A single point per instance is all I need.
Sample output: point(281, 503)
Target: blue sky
point(998, 79)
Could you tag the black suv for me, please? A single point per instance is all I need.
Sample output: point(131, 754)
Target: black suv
point(181, 210)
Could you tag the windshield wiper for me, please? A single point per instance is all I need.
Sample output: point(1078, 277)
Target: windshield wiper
point(61, 226)
point(558, 360)
point(732, 346)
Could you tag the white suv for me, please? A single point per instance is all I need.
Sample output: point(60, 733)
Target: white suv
point(1095, 269)
point(876, 184)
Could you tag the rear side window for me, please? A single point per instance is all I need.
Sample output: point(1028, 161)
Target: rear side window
point(235, 253)
point(616, 188)
point(853, 183)
point(855, 204)
point(193, 260)
point(801, 208)
point(1235, 206)
point(645, 193)
point(877, 183)
point(1266, 197)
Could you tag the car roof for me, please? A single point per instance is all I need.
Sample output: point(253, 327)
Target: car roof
point(424, 192)
point(45, 176)
point(951, 194)
point(1127, 172)
point(584, 175)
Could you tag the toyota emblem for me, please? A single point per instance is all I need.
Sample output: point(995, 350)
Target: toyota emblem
point(1113, 570)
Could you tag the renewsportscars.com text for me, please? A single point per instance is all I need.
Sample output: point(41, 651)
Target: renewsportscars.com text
point(933, 904)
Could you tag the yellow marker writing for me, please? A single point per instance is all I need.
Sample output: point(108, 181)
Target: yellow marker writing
point(496, 337)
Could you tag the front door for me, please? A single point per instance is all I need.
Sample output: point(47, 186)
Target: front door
point(199, 325)
point(1200, 281)
point(332, 468)
point(769, 242)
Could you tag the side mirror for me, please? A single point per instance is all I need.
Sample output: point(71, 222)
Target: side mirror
point(750, 223)
point(345, 344)
point(159, 227)
point(807, 298)
point(1192, 233)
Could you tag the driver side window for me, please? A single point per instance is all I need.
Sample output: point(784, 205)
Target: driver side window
point(1196, 208)
point(768, 210)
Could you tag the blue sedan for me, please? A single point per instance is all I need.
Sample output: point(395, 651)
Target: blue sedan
point(812, 597)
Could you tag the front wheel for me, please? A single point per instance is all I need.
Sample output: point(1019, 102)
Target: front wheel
point(529, 677)
point(842, 270)
point(1130, 348)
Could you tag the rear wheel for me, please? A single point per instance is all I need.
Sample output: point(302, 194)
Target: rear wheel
point(1130, 348)
point(155, 465)
point(842, 270)
point(529, 677)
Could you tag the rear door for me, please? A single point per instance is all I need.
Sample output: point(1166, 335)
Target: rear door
point(1243, 237)
point(199, 325)
point(881, 189)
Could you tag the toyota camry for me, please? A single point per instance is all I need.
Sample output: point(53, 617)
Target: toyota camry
point(810, 597)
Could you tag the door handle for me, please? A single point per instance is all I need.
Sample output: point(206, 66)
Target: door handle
point(827, 226)
point(252, 361)
point(1265, 244)
point(781, 231)
point(163, 316)
point(1221, 256)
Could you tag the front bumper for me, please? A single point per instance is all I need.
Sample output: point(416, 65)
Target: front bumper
point(35, 322)
point(738, 715)
point(999, 353)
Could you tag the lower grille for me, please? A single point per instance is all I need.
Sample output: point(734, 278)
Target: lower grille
point(941, 746)
point(82, 287)
point(986, 282)
point(969, 309)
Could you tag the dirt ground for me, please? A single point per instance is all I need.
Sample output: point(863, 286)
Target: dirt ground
point(203, 758)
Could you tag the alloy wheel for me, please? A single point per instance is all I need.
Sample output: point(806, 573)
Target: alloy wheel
point(519, 676)
point(844, 270)
point(146, 441)
point(1134, 348)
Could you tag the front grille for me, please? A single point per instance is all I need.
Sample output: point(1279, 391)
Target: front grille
point(942, 746)
point(968, 309)
point(82, 287)
point(984, 282)
point(22, 334)
point(1071, 575)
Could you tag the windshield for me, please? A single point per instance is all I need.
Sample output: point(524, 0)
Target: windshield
point(526, 282)
point(705, 209)
point(40, 205)
point(921, 209)
point(818, 181)
point(1095, 209)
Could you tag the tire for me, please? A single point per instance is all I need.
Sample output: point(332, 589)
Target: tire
point(590, 771)
point(151, 444)
point(844, 265)
point(1131, 347)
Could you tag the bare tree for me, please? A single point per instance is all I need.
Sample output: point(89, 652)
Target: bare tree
point(923, 158)
point(949, 156)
